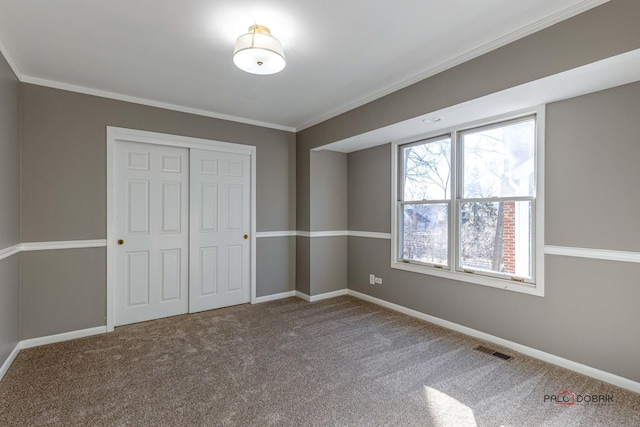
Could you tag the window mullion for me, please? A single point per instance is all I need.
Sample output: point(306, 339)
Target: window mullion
point(453, 215)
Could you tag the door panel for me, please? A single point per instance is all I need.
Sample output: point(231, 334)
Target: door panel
point(152, 214)
point(220, 199)
point(171, 207)
point(209, 207)
point(234, 268)
point(209, 276)
point(171, 274)
point(137, 278)
point(138, 207)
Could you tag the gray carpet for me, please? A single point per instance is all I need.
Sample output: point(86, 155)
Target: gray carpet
point(339, 362)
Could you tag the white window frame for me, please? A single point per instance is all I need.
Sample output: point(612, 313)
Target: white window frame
point(451, 271)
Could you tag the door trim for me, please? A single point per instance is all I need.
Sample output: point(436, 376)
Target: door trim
point(116, 134)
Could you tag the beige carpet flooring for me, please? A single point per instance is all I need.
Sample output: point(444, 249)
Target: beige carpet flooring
point(339, 362)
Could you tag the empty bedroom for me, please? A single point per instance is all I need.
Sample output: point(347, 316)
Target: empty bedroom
point(298, 213)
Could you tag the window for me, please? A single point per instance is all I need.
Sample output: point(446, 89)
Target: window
point(468, 204)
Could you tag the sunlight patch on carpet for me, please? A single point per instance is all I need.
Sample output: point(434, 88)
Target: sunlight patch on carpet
point(447, 411)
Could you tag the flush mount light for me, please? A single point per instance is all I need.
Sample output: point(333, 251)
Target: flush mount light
point(431, 120)
point(258, 52)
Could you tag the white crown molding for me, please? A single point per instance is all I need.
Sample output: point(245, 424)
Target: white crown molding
point(603, 254)
point(149, 102)
point(135, 100)
point(10, 61)
point(529, 351)
point(66, 244)
point(472, 54)
point(11, 250)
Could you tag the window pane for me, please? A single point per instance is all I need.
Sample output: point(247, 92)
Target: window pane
point(427, 171)
point(425, 234)
point(499, 161)
point(496, 237)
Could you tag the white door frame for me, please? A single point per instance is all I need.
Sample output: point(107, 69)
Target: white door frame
point(115, 134)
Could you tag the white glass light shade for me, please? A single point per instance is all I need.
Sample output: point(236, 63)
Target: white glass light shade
point(258, 52)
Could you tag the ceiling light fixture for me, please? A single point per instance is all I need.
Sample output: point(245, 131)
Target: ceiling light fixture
point(431, 120)
point(258, 52)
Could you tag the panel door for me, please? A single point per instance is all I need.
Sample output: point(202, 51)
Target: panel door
point(152, 228)
point(220, 226)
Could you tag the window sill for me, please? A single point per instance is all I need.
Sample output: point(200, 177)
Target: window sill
point(536, 290)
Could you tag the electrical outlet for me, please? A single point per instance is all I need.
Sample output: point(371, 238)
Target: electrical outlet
point(372, 279)
point(378, 280)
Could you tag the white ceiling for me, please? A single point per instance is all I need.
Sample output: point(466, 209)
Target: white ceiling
point(177, 54)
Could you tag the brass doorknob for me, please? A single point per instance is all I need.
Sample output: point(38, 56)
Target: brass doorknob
point(120, 242)
point(245, 237)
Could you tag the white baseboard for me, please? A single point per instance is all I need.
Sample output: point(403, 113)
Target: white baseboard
point(274, 297)
point(537, 354)
point(36, 342)
point(303, 296)
point(7, 363)
point(328, 295)
point(320, 297)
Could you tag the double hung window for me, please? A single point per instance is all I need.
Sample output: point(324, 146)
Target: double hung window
point(468, 204)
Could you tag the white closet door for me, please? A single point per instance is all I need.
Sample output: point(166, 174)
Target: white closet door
point(152, 228)
point(219, 237)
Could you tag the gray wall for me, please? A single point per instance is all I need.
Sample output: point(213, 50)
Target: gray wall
point(62, 290)
point(9, 208)
point(592, 145)
point(369, 178)
point(328, 212)
point(303, 265)
point(9, 305)
point(64, 160)
point(592, 168)
point(275, 265)
point(64, 195)
point(328, 171)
